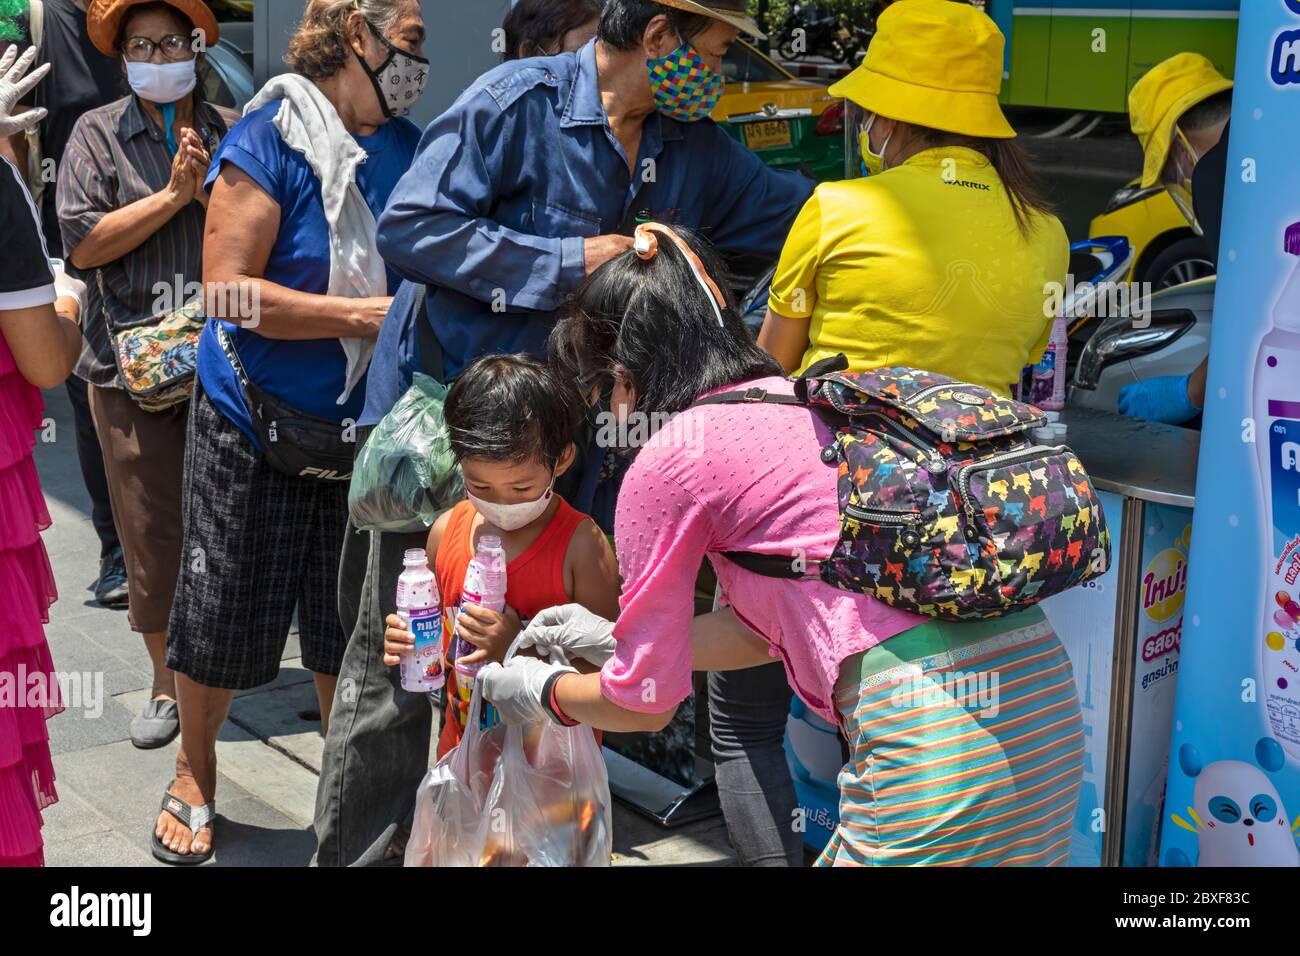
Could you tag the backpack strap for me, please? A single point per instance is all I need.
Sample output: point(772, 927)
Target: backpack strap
point(772, 565)
point(767, 565)
point(749, 396)
point(833, 363)
point(824, 367)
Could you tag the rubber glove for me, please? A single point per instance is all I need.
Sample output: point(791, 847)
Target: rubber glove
point(572, 630)
point(516, 688)
point(69, 286)
point(1161, 399)
point(13, 88)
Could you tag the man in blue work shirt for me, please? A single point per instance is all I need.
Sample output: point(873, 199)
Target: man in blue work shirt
point(518, 191)
point(521, 190)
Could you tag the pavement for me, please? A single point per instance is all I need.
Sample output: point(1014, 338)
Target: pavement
point(269, 752)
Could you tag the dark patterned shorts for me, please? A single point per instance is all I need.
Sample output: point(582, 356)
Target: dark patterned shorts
point(257, 544)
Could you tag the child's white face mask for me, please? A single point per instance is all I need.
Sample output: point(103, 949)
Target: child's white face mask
point(512, 517)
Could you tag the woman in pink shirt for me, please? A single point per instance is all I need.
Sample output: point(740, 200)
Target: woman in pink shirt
point(966, 739)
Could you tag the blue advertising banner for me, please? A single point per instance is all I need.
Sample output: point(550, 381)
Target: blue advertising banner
point(1002, 12)
point(1233, 791)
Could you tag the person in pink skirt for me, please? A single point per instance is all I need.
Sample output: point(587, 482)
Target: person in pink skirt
point(39, 344)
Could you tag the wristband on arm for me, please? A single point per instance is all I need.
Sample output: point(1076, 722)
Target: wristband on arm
point(551, 705)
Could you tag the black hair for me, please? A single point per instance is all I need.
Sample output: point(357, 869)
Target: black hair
point(540, 23)
point(651, 318)
point(623, 22)
point(1209, 112)
point(510, 408)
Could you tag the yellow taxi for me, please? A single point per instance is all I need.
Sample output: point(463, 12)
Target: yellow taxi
point(1166, 252)
point(787, 121)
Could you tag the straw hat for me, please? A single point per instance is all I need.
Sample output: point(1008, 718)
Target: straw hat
point(735, 12)
point(104, 21)
point(933, 63)
point(1158, 101)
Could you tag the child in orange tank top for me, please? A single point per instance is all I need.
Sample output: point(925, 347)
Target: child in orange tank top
point(511, 425)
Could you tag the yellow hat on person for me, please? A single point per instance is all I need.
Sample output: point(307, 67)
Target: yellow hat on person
point(933, 63)
point(1161, 97)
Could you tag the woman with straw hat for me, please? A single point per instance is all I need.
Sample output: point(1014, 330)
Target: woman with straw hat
point(942, 257)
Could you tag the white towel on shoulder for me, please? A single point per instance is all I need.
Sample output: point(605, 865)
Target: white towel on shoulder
point(309, 124)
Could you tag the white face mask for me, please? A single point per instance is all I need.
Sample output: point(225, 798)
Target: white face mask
point(399, 82)
point(162, 82)
point(512, 517)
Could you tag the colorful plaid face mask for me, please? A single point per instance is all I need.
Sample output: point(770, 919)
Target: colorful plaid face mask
point(684, 87)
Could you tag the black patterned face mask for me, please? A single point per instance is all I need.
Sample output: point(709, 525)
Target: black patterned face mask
point(399, 82)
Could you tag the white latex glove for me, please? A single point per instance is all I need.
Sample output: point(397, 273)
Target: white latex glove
point(516, 689)
point(572, 630)
point(66, 285)
point(13, 88)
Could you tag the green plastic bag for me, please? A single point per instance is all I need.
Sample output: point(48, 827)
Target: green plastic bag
point(406, 475)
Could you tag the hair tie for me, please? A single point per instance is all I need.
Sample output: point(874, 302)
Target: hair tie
point(646, 244)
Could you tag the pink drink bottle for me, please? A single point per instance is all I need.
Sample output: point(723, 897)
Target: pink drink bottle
point(1049, 374)
point(485, 585)
point(420, 608)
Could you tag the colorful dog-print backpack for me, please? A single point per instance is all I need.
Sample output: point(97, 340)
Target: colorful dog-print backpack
point(948, 508)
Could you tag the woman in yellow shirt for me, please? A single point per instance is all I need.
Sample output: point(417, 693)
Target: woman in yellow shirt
point(944, 256)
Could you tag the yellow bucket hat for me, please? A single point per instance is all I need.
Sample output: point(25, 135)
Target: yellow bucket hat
point(933, 63)
point(1158, 101)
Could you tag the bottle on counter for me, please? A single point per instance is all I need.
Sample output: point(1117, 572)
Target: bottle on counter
point(1049, 374)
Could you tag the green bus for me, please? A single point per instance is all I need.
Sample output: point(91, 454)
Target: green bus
point(1087, 56)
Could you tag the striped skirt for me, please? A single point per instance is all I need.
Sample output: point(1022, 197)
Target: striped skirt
point(967, 748)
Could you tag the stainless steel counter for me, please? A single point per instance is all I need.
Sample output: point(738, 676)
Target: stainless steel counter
point(1144, 463)
point(1136, 459)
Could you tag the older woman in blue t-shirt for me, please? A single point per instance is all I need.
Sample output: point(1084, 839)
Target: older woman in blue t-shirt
point(296, 291)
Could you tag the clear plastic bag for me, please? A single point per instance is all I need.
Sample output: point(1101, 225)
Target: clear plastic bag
point(534, 795)
point(406, 475)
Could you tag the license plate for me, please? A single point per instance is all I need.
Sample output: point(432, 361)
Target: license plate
point(769, 135)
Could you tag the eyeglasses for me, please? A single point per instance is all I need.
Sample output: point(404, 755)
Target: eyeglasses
point(175, 46)
point(599, 384)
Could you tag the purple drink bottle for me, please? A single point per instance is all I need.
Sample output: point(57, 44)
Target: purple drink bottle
point(1049, 375)
point(420, 608)
point(485, 585)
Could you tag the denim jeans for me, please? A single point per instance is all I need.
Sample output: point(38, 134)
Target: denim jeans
point(748, 710)
point(377, 750)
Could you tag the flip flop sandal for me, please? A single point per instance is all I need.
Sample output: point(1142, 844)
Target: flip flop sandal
point(196, 818)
